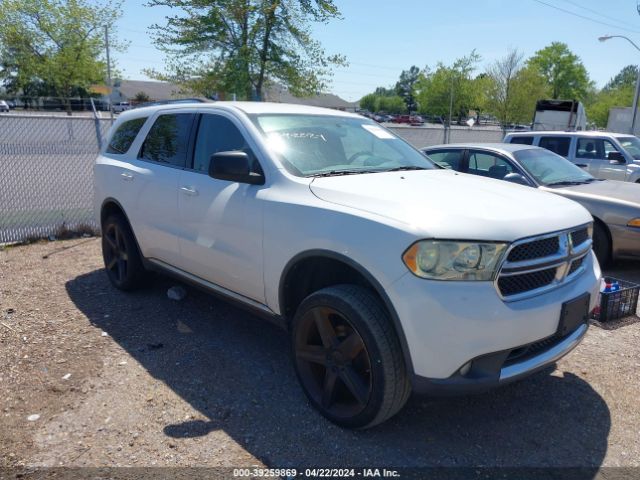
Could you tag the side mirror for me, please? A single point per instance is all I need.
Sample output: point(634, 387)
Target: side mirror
point(616, 157)
point(234, 167)
point(516, 178)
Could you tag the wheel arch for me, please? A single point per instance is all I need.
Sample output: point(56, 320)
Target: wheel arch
point(605, 228)
point(315, 269)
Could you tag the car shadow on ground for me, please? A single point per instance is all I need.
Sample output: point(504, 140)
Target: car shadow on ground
point(235, 369)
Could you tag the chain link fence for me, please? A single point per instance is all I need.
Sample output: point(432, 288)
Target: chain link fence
point(435, 135)
point(46, 185)
point(46, 168)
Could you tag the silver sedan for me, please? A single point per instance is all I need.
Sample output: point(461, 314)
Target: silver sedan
point(615, 206)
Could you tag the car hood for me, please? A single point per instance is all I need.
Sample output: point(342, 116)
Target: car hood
point(602, 191)
point(451, 205)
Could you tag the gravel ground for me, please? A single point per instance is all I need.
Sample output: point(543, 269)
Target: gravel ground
point(90, 376)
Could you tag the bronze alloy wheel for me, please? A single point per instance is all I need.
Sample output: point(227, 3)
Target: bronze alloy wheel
point(115, 253)
point(333, 363)
point(122, 259)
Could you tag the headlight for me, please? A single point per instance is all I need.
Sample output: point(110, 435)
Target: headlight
point(634, 223)
point(445, 260)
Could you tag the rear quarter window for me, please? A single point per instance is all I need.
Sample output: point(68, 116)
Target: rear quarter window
point(528, 140)
point(168, 139)
point(124, 136)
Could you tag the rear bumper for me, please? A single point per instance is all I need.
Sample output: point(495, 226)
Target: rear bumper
point(495, 369)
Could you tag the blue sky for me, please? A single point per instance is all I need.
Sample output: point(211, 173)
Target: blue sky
point(381, 38)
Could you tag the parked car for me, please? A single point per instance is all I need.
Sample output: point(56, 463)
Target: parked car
point(120, 107)
point(615, 206)
point(613, 156)
point(389, 273)
point(415, 120)
point(4, 106)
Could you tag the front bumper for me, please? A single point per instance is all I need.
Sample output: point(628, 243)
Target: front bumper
point(449, 324)
point(494, 370)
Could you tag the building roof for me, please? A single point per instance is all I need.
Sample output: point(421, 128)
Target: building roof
point(280, 94)
point(155, 90)
point(245, 107)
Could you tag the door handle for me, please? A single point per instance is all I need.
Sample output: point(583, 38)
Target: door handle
point(126, 176)
point(189, 190)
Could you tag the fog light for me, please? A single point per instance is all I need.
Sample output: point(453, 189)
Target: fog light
point(465, 369)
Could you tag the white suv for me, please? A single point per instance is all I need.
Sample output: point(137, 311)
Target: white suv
point(390, 273)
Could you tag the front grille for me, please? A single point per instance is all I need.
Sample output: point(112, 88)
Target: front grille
point(536, 265)
point(528, 281)
point(527, 351)
point(575, 265)
point(536, 249)
point(579, 236)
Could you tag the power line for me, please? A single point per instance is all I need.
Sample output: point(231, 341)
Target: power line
point(585, 17)
point(599, 13)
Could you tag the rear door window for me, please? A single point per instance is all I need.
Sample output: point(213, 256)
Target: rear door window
point(559, 145)
point(124, 136)
point(168, 139)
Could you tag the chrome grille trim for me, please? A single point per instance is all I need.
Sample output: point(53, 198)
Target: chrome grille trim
point(562, 261)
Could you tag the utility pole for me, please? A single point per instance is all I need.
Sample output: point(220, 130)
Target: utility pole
point(106, 42)
point(450, 109)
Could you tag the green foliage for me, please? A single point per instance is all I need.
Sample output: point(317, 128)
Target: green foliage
point(618, 92)
point(370, 102)
point(53, 45)
point(598, 111)
point(392, 104)
point(625, 78)
point(141, 97)
point(383, 103)
point(435, 90)
point(514, 89)
point(239, 45)
point(563, 71)
point(406, 85)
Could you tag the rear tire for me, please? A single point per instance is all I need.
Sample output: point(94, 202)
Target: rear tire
point(122, 259)
point(348, 357)
point(601, 244)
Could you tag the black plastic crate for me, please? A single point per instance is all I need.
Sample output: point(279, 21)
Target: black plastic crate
point(619, 304)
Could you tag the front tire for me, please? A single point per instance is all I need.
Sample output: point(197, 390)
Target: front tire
point(122, 259)
point(348, 358)
point(601, 244)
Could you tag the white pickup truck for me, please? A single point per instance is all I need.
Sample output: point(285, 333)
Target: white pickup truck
point(390, 273)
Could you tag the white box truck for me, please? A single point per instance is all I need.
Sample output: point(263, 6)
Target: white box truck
point(559, 115)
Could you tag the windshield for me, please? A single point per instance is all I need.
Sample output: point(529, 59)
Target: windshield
point(311, 145)
point(631, 145)
point(550, 169)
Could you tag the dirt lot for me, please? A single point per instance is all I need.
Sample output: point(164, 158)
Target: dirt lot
point(90, 376)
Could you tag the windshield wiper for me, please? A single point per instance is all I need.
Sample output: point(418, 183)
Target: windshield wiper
point(406, 167)
point(335, 173)
point(567, 182)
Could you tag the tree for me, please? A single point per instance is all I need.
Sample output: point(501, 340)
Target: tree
point(563, 71)
point(392, 104)
point(626, 77)
point(528, 87)
point(370, 102)
point(618, 92)
point(237, 46)
point(141, 97)
point(54, 42)
point(406, 85)
point(503, 74)
point(435, 90)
